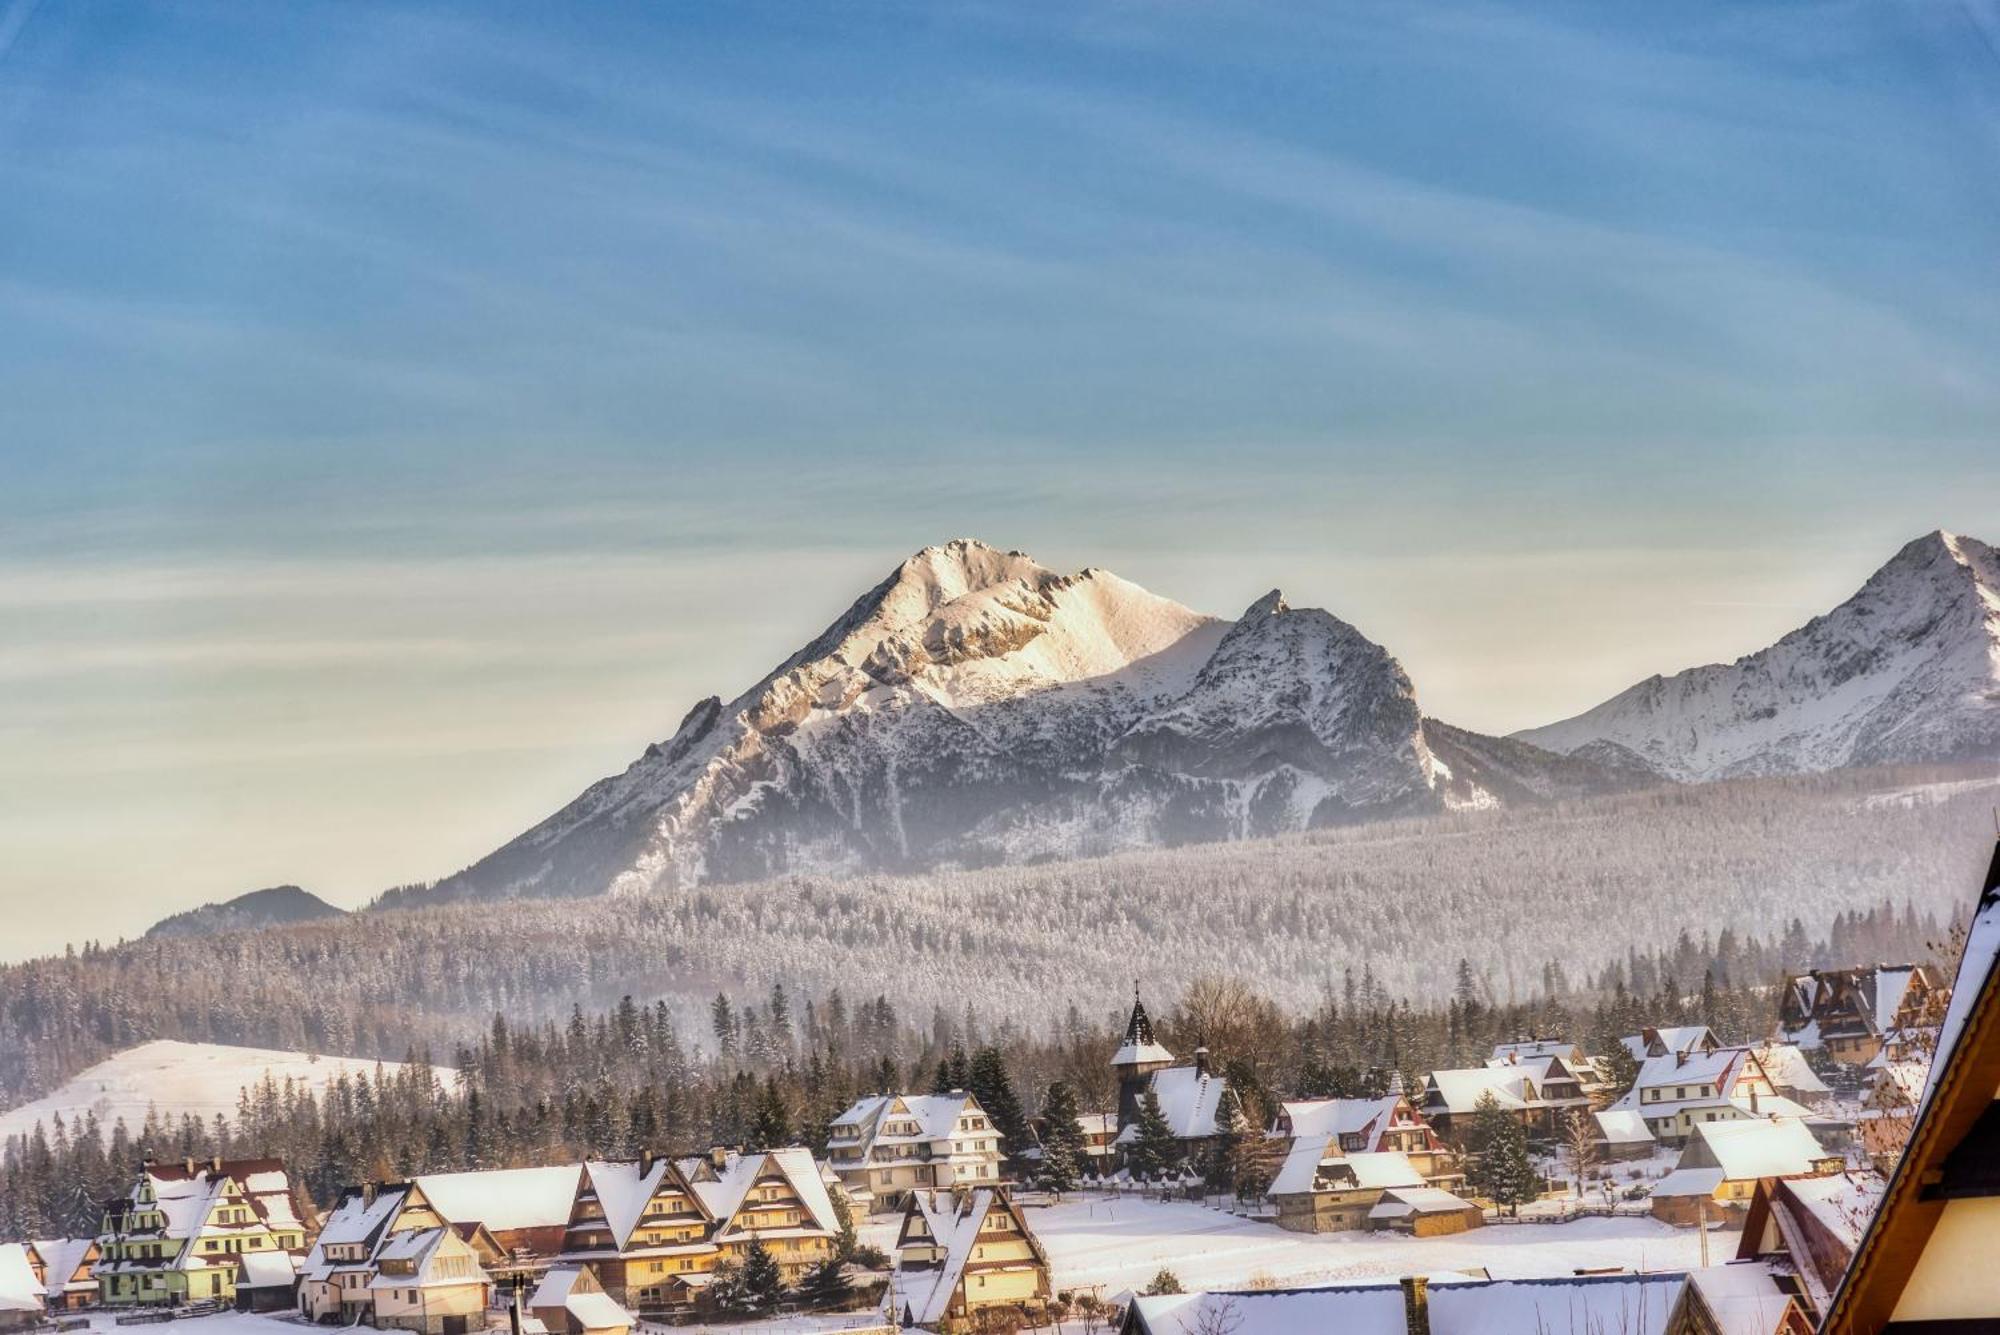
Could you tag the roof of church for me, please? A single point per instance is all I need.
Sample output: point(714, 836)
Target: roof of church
point(1139, 1045)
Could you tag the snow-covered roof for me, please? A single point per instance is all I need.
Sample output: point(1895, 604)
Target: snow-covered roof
point(20, 1291)
point(1527, 1048)
point(555, 1286)
point(1628, 1304)
point(420, 1248)
point(923, 1293)
point(356, 1220)
point(1719, 1071)
point(1402, 1201)
point(622, 1191)
point(598, 1311)
point(504, 1199)
point(266, 1270)
point(1742, 1297)
point(1460, 1090)
point(1140, 1045)
point(1758, 1147)
point(936, 1115)
point(1341, 1117)
point(61, 1259)
point(722, 1189)
point(1689, 1182)
point(1976, 968)
point(1788, 1068)
point(1189, 1099)
point(1309, 1154)
point(1673, 1038)
point(1623, 1126)
point(1841, 1203)
point(1361, 1310)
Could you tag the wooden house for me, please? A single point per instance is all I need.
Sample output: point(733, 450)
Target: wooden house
point(885, 1146)
point(643, 1230)
point(963, 1253)
point(775, 1197)
point(1851, 1013)
point(570, 1301)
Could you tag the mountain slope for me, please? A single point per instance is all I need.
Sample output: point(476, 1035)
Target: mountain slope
point(272, 907)
point(976, 707)
point(1905, 671)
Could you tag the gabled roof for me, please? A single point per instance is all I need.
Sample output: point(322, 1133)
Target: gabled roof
point(1787, 1067)
point(624, 1187)
point(61, 1259)
point(1623, 1126)
point(936, 1115)
point(1720, 1070)
point(421, 1247)
point(1401, 1202)
point(1341, 1117)
point(1189, 1098)
point(1756, 1147)
point(505, 1199)
point(20, 1291)
point(1460, 1090)
point(1742, 1297)
point(1672, 1038)
point(1354, 1171)
point(356, 1220)
point(722, 1190)
point(924, 1293)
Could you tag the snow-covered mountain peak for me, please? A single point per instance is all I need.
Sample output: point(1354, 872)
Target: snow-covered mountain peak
point(1906, 670)
point(1271, 604)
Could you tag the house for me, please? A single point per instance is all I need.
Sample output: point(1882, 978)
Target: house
point(1451, 1097)
point(1587, 1069)
point(67, 1271)
point(21, 1295)
point(1792, 1076)
point(1321, 1188)
point(1372, 1126)
point(371, 1228)
point(1805, 1229)
point(1925, 1262)
point(1680, 1090)
point(1424, 1212)
point(1889, 1108)
point(1561, 1088)
point(570, 1301)
point(961, 1254)
point(1850, 1012)
point(266, 1281)
point(175, 1238)
point(643, 1230)
point(1666, 1040)
point(1737, 1303)
point(1724, 1161)
point(333, 1281)
point(1622, 1134)
point(526, 1210)
point(887, 1145)
point(429, 1280)
point(1100, 1143)
point(775, 1197)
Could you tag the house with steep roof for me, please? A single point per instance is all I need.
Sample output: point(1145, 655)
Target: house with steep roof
point(21, 1293)
point(376, 1220)
point(1320, 1188)
point(66, 1270)
point(1588, 1072)
point(773, 1197)
point(429, 1280)
point(1925, 1262)
point(961, 1254)
point(884, 1146)
point(643, 1230)
point(1805, 1230)
point(1682, 1089)
point(1723, 1163)
point(1665, 1040)
point(525, 1210)
point(1850, 1013)
point(176, 1236)
point(1451, 1097)
point(570, 1301)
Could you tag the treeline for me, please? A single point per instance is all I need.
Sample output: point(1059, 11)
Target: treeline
point(774, 1069)
point(1564, 889)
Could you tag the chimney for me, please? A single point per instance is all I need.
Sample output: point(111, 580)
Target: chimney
point(1201, 1062)
point(1416, 1305)
point(189, 1164)
point(1680, 1059)
point(1753, 1100)
point(215, 1164)
point(718, 1157)
point(645, 1162)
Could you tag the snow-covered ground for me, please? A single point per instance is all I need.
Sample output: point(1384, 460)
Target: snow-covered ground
point(1121, 1243)
point(199, 1078)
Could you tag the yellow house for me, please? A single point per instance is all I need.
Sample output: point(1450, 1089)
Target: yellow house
point(643, 1230)
point(178, 1236)
point(961, 1254)
point(773, 1196)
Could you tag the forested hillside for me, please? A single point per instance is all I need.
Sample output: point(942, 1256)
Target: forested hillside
point(1561, 890)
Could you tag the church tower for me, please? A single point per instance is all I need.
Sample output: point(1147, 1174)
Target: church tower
point(1136, 1059)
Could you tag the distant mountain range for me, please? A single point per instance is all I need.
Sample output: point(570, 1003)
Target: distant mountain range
point(276, 906)
point(1905, 671)
point(977, 708)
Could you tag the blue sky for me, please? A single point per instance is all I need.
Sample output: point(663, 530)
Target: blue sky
point(406, 411)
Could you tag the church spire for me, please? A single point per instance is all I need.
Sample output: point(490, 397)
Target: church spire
point(1140, 1049)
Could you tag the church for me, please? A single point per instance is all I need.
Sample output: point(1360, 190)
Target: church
point(1195, 1100)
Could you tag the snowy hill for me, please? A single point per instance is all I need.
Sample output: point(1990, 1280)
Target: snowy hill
point(1905, 671)
point(976, 708)
point(198, 1078)
point(260, 908)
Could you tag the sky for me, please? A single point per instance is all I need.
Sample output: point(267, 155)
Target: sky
point(408, 411)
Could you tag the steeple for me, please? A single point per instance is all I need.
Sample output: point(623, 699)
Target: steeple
point(1141, 1053)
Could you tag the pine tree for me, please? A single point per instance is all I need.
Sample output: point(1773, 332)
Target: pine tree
point(989, 1082)
point(1062, 1139)
point(826, 1285)
point(1503, 1172)
point(771, 1125)
point(763, 1282)
point(1155, 1149)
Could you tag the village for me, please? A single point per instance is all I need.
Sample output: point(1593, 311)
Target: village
point(1687, 1183)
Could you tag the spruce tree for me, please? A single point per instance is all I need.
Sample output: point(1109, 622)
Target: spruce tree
point(1155, 1150)
point(826, 1285)
point(991, 1085)
point(1062, 1139)
point(763, 1282)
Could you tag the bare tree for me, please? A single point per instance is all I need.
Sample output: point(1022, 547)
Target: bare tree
point(1579, 1143)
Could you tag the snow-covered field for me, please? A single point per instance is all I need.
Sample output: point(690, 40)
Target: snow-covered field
point(1121, 1243)
point(199, 1078)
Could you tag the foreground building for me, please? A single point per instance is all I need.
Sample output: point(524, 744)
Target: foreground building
point(644, 1231)
point(962, 1254)
point(1806, 1229)
point(1927, 1261)
point(1371, 1126)
point(21, 1293)
point(1724, 1300)
point(1681, 1090)
point(67, 1271)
